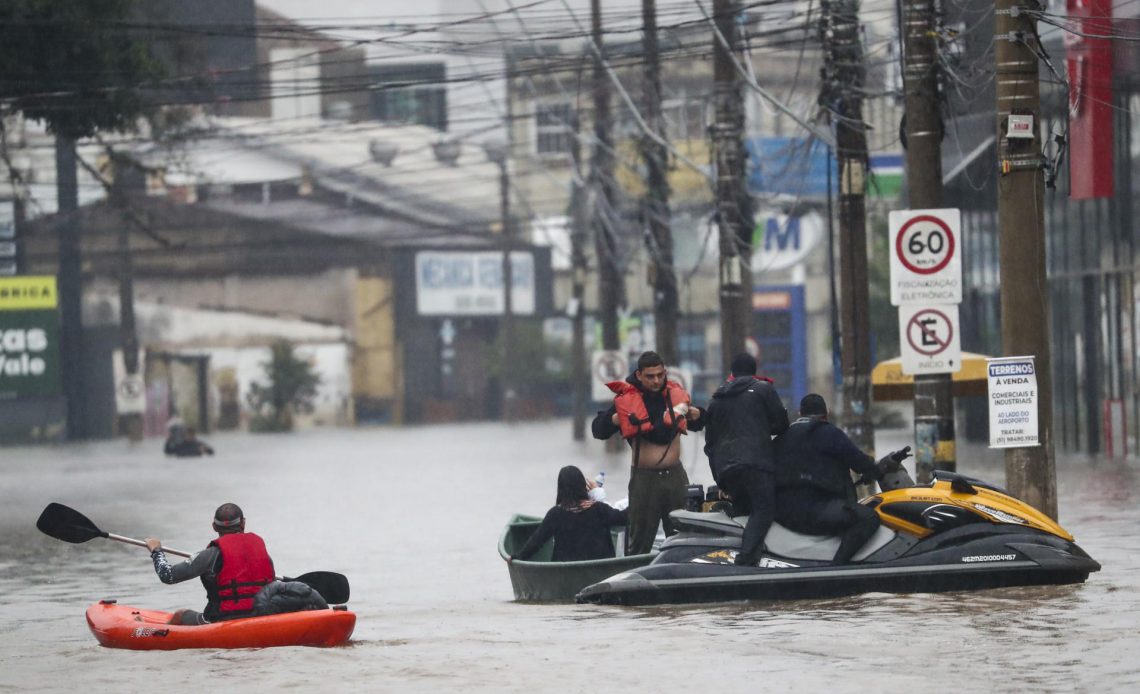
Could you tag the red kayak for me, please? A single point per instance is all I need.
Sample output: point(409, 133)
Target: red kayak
point(122, 626)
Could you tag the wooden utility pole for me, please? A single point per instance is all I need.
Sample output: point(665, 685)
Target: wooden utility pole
point(579, 377)
point(611, 290)
point(130, 424)
point(843, 83)
point(734, 209)
point(933, 397)
point(1029, 472)
point(659, 236)
point(70, 289)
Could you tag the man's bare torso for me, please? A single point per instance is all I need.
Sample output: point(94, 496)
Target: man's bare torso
point(654, 456)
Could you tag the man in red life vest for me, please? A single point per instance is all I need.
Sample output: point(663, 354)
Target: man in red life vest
point(233, 568)
point(652, 413)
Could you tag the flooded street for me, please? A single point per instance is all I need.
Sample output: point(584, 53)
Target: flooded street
point(412, 516)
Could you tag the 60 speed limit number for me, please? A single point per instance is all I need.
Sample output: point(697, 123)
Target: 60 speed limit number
point(925, 263)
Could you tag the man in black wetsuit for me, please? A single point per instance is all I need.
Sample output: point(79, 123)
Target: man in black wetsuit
point(816, 494)
point(743, 415)
point(656, 412)
point(233, 568)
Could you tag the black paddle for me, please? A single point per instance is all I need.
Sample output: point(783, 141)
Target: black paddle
point(67, 524)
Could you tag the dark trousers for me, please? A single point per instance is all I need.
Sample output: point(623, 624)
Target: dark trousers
point(753, 492)
point(815, 512)
point(652, 495)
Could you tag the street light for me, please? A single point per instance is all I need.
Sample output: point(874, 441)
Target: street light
point(498, 152)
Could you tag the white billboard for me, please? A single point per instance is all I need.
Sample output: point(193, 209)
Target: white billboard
point(457, 283)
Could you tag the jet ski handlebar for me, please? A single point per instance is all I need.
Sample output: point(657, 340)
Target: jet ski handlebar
point(888, 464)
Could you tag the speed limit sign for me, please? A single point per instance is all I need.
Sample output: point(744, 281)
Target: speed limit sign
point(926, 257)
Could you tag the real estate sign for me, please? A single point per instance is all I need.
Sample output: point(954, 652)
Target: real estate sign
point(1013, 402)
point(29, 336)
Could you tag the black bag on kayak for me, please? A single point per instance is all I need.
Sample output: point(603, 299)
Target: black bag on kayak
point(278, 597)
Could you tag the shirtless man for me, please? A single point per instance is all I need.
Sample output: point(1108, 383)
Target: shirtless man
point(652, 413)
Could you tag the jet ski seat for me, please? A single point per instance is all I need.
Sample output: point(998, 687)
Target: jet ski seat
point(781, 541)
point(787, 543)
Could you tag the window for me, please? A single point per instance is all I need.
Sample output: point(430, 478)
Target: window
point(553, 125)
point(410, 93)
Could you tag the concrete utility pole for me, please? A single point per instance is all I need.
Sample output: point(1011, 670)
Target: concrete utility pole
point(19, 219)
point(734, 209)
point(70, 289)
point(611, 289)
point(508, 404)
point(131, 423)
point(843, 78)
point(1029, 472)
point(933, 397)
point(659, 236)
point(579, 377)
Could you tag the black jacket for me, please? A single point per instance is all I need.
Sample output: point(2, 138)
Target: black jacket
point(579, 535)
point(743, 415)
point(603, 425)
point(816, 453)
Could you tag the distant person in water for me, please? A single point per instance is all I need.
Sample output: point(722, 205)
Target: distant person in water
point(187, 445)
point(579, 525)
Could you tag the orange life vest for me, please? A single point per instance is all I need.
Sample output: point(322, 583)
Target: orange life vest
point(246, 567)
point(633, 416)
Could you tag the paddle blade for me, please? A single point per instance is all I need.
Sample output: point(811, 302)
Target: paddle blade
point(333, 587)
point(67, 524)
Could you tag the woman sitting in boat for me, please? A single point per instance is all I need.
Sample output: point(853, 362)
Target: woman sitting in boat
point(579, 525)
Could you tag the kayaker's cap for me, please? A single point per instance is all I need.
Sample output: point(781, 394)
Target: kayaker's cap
point(228, 516)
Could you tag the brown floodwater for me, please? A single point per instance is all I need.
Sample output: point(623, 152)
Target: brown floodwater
point(412, 516)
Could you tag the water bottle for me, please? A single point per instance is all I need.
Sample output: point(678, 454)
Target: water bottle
point(598, 493)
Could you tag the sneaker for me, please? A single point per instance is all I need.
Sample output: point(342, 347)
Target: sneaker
point(744, 560)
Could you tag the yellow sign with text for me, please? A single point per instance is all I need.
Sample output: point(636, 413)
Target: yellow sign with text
point(28, 293)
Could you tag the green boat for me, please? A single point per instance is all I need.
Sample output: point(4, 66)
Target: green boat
point(542, 580)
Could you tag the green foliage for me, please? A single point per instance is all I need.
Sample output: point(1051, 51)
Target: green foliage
point(537, 366)
point(76, 65)
point(291, 389)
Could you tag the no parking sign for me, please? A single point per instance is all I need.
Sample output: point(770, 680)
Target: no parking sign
point(605, 366)
point(929, 339)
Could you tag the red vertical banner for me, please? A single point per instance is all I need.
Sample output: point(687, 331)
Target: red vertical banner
point(1089, 61)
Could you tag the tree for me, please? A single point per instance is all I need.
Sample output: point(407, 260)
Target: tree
point(74, 65)
point(539, 371)
point(77, 67)
point(291, 389)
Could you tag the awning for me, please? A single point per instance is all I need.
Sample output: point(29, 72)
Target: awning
point(888, 382)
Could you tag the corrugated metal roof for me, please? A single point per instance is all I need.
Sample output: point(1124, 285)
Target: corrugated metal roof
point(337, 157)
point(314, 216)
